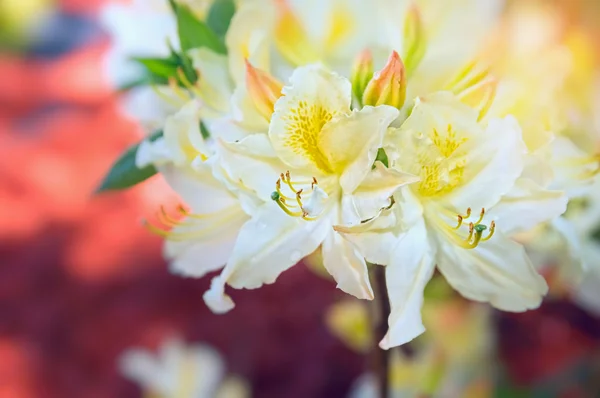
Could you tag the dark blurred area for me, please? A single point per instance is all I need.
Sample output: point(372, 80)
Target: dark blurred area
point(81, 281)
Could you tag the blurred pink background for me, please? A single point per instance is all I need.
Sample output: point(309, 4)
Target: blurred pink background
point(81, 280)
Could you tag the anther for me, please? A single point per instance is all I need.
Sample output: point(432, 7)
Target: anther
point(460, 221)
point(492, 229)
point(480, 216)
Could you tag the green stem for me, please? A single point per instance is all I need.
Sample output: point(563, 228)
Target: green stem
point(380, 359)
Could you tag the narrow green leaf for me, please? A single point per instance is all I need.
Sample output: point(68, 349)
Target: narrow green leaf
point(163, 67)
point(194, 33)
point(124, 173)
point(219, 16)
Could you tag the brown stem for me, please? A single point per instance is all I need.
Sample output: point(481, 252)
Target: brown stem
point(380, 359)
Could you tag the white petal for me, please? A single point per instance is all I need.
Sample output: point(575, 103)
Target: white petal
point(496, 163)
point(182, 134)
point(214, 82)
point(571, 170)
point(375, 191)
point(526, 206)
point(152, 153)
point(144, 368)
point(375, 239)
point(269, 244)
point(248, 38)
point(350, 142)
point(199, 189)
point(216, 299)
point(410, 269)
point(313, 98)
point(316, 203)
point(203, 254)
point(347, 266)
point(498, 271)
point(252, 163)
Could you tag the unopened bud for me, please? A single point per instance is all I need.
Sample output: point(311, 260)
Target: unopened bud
point(388, 86)
point(362, 73)
point(263, 89)
point(415, 41)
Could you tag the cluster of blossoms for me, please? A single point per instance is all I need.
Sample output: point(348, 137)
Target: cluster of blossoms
point(379, 132)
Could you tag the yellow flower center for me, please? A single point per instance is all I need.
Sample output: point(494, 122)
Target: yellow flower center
point(304, 123)
point(440, 170)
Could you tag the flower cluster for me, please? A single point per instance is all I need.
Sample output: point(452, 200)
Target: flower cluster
point(379, 132)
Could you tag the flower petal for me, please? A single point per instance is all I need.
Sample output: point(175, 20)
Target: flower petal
point(252, 163)
point(350, 143)
point(376, 189)
point(313, 98)
point(411, 267)
point(497, 271)
point(375, 239)
point(494, 164)
point(182, 134)
point(211, 241)
point(270, 243)
point(214, 82)
point(152, 153)
point(248, 38)
point(347, 266)
point(526, 206)
point(198, 188)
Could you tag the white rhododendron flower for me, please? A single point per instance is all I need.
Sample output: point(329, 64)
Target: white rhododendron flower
point(313, 170)
point(374, 131)
point(180, 371)
point(470, 198)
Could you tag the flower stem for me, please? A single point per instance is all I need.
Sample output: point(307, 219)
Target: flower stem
point(380, 359)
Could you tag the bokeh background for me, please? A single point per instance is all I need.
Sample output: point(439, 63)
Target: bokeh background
point(81, 280)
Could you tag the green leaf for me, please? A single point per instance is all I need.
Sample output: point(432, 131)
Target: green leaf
point(163, 67)
point(194, 33)
point(124, 173)
point(219, 16)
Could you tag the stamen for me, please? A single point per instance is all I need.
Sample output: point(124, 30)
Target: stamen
point(468, 214)
point(480, 216)
point(460, 221)
point(296, 207)
point(476, 230)
point(492, 229)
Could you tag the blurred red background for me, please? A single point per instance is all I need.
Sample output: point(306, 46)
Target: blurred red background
point(81, 280)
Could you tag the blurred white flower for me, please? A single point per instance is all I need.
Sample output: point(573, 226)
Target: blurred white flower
point(180, 371)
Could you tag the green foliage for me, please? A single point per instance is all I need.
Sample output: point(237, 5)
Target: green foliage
point(194, 33)
point(124, 173)
point(219, 16)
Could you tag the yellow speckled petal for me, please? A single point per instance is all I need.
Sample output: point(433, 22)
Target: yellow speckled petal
point(313, 98)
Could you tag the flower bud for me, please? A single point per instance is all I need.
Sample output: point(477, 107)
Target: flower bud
point(362, 72)
point(415, 42)
point(264, 90)
point(388, 86)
